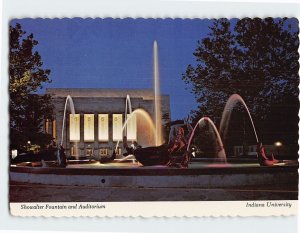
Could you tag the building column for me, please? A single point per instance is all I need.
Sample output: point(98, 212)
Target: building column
point(110, 136)
point(81, 143)
point(96, 142)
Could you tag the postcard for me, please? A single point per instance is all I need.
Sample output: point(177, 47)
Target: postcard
point(153, 117)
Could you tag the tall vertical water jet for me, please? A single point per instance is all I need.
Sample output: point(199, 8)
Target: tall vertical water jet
point(226, 115)
point(72, 109)
point(157, 105)
point(221, 151)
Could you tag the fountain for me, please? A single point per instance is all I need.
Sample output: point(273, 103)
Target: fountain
point(154, 125)
point(157, 107)
point(145, 116)
point(61, 156)
point(221, 155)
point(72, 109)
point(232, 101)
point(202, 175)
point(127, 107)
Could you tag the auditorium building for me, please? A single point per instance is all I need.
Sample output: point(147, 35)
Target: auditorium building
point(96, 128)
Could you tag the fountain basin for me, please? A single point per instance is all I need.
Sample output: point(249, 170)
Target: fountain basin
point(198, 175)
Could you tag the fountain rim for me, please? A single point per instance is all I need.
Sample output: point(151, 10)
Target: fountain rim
point(153, 170)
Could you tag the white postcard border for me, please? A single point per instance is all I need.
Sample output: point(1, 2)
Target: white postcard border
point(58, 8)
point(156, 209)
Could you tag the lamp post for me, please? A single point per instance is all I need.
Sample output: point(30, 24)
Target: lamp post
point(278, 144)
point(28, 145)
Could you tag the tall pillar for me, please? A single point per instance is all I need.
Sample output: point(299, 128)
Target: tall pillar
point(96, 141)
point(110, 136)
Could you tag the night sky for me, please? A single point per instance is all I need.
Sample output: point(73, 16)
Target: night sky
point(118, 53)
point(97, 53)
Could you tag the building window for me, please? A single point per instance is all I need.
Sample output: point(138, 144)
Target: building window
point(74, 127)
point(89, 152)
point(89, 128)
point(103, 151)
point(54, 128)
point(103, 133)
point(131, 127)
point(240, 150)
point(47, 126)
point(74, 151)
point(118, 151)
point(117, 127)
point(236, 151)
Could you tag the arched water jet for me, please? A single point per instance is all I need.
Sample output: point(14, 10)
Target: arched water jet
point(221, 153)
point(157, 108)
point(72, 109)
point(146, 117)
point(226, 115)
point(127, 107)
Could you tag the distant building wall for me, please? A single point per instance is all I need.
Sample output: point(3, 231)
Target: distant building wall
point(110, 103)
point(251, 150)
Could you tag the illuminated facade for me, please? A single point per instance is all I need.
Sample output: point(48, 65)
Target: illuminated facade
point(97, 125)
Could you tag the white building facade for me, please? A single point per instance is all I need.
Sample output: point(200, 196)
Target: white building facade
point(97, 127)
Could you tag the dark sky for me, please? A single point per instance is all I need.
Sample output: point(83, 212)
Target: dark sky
point(118, 53)
point(110, 53)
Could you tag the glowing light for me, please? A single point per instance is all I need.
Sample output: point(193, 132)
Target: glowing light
point(221, 153)
point(74, 127)
point(70, 101)
point(47, 126)
point(14, 153)
point(103, 127)
point(117, 127)
point(226, 115)
point(131, 128)
point(74, 151)
point(157, 104)
point(103, 151)
point(54, 129)
point(145, 127)
point(89, 128)
point(278, 144)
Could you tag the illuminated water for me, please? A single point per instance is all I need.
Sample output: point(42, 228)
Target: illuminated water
point(127, 108)
point(157, 104)
point(72, 109)
point(221, 151)
point(143, 116)
point(231, 103)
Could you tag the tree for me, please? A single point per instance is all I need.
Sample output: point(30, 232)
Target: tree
point(26, 75)
point(256, 58)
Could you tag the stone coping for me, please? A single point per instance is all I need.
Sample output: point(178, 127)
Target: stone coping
point(145, 93)
point(155, 170)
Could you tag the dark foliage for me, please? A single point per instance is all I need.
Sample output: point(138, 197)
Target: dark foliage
point(26, 75)
point(257, 59)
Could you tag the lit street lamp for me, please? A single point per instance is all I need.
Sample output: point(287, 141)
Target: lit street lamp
point(278, 145)
point(28, 145)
